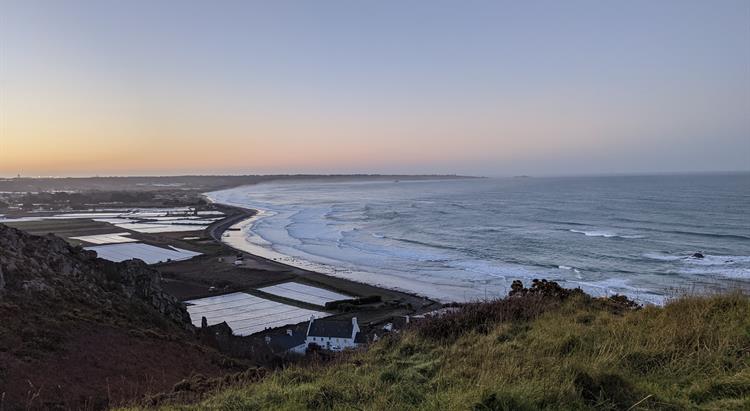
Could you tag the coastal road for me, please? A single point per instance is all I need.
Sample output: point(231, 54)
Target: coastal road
point(216, 229)
point(234, 216)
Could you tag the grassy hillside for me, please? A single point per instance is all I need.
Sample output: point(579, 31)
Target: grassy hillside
point(534, 351)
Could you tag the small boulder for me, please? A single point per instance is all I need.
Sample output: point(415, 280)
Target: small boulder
point(698, 255)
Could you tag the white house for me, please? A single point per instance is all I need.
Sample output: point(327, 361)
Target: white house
point(334, 335)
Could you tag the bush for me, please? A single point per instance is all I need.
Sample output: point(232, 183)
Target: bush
point(341, 304)
point(482, 317)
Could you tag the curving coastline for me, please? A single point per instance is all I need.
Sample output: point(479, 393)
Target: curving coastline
point(241, 218)
point(457, 241)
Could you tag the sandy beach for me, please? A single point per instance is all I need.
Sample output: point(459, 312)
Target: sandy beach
point(240, 237)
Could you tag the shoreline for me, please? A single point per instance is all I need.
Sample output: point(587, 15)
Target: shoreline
point(441, 293)
point(242, 216)
point(594, 254)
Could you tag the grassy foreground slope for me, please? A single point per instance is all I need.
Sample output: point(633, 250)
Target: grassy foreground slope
point(534, 351)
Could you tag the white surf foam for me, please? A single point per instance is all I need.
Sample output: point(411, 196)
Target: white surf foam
point(729, 266)
point(605, 234)
point(323, 229)
point(573, 269)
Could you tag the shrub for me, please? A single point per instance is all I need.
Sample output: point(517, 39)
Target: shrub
point(340, 304)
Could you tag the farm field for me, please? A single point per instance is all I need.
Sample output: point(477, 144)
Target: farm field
point(304, 293)
point(113, 238)
point(142, 220)
point(148, 253)
point(247, 314)
point(161, 228)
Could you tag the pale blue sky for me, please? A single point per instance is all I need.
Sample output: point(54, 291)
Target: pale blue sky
point(492, 88)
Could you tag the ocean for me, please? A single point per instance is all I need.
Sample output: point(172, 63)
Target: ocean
point(468, 239)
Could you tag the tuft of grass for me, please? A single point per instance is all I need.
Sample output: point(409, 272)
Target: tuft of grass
point(533, 352)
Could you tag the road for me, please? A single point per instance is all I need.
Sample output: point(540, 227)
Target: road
point(216, 229)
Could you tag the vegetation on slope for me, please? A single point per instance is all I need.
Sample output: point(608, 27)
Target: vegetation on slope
point(541, 348)
point(78, 332)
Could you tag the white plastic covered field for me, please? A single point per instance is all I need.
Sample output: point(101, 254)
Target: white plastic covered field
point(160, 228)
point(113, 238)
point(247, 314)
point(142, 220)
point(148, 253)
point(305, 293)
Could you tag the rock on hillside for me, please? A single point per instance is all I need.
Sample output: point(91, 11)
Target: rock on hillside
point(79, 332)
point(39, 266)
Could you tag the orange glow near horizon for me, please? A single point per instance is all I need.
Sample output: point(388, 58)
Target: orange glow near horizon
point(69, 144)
point(72, 145)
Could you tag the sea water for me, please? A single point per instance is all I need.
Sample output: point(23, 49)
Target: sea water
point(468, 239)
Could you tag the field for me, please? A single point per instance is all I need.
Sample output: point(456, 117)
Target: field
point(304, 293)
point(142, 220)
point(148, 253)
point(76, 227)
point(161, 228)
point(247, 314)
point(112, 238)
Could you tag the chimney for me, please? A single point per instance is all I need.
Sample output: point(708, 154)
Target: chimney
point(204, 322)
point(309, 324)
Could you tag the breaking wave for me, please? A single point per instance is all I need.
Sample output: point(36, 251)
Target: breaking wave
point(457, 240)
point(605, 234)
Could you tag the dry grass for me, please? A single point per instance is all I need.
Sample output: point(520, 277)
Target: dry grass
point(535, 352)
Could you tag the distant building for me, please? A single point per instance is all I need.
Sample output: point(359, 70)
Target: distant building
point(334, 335)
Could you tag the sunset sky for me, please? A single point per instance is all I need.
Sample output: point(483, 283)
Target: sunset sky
point(469, 87)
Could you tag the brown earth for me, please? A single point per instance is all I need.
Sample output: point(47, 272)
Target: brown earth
point(78, 332)
point(96, 366)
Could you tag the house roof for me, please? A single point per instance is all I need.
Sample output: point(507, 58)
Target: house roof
point(285, 342)
point(331, 328)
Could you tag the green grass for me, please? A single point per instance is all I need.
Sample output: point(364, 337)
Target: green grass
point(694, 353)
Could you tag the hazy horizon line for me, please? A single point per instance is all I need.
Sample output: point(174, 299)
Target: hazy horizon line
point(359, 174)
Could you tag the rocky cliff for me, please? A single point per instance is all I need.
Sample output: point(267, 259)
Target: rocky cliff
point(49, 267)
point(78, 332)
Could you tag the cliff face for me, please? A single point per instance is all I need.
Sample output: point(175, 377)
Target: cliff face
point(81, 332)
point(39, 267)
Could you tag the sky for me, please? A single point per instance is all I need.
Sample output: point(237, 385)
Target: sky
point(468, 87)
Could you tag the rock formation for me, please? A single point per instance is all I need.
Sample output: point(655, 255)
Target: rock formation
point(50, 266)
point(79, 332)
